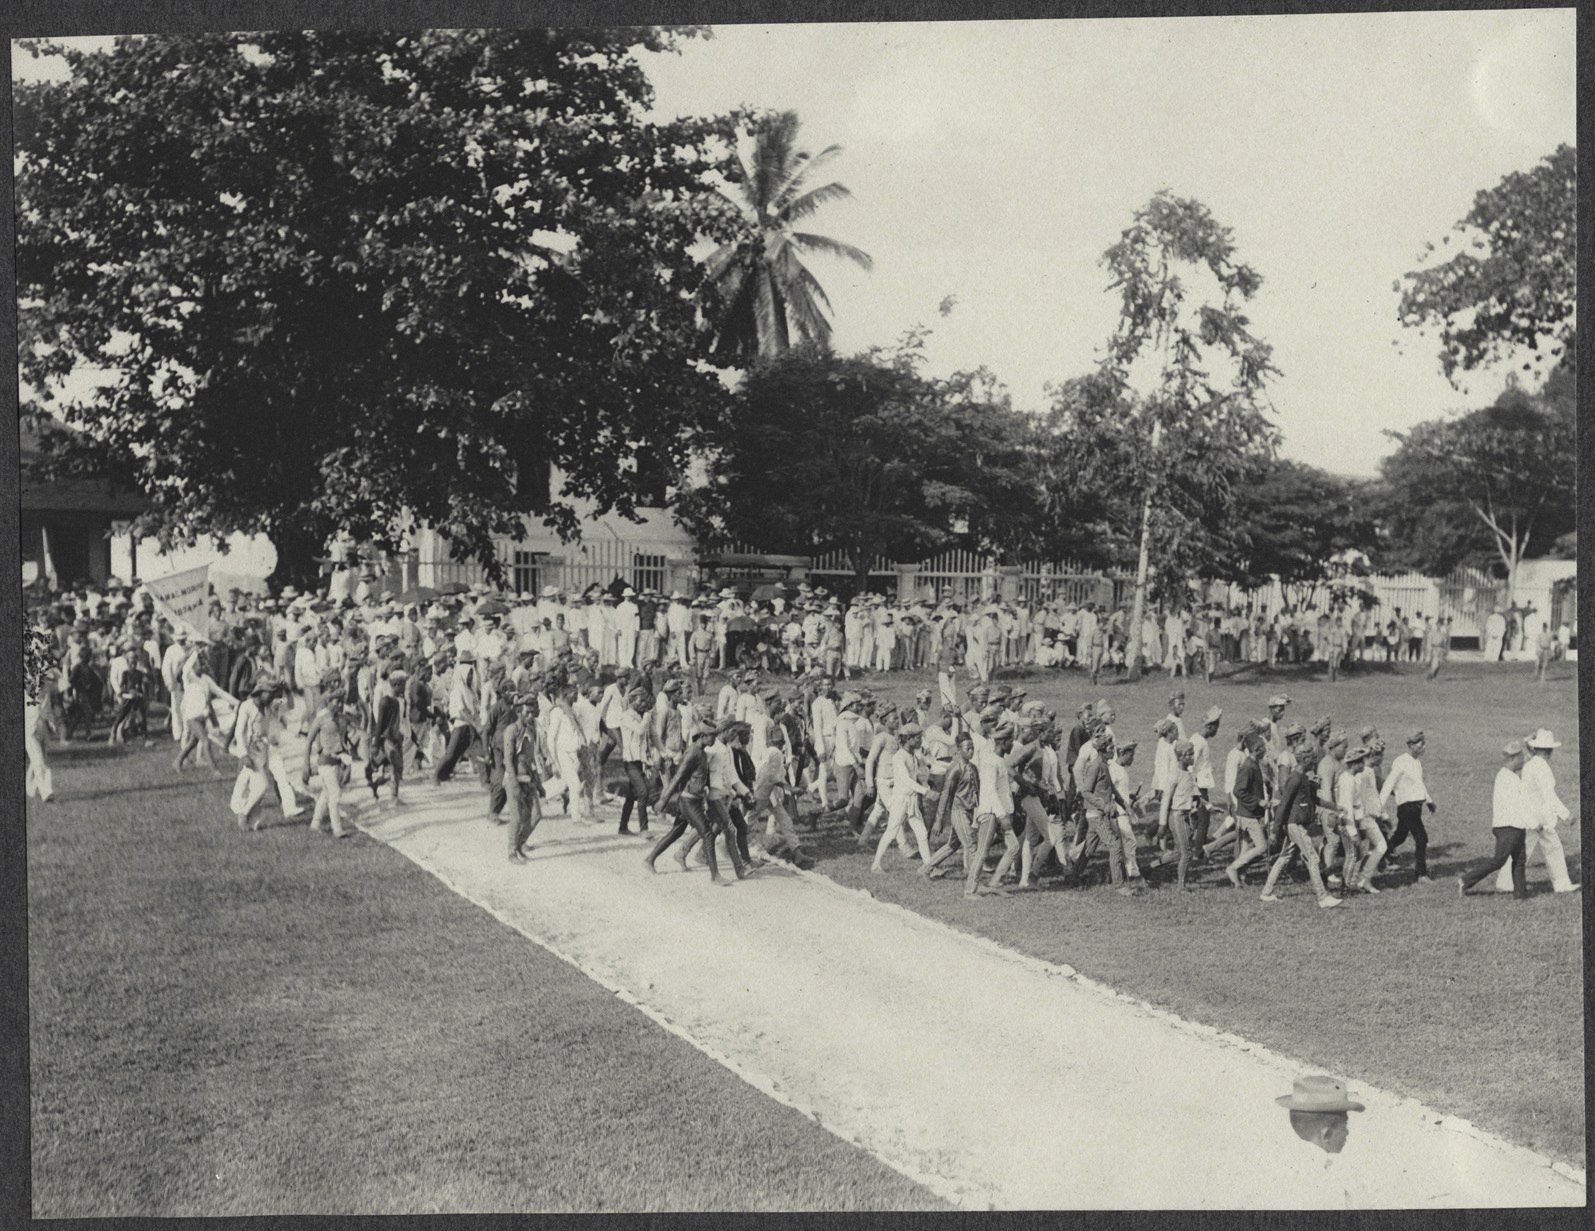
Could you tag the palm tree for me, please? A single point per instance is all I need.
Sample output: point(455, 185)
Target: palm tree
point(769, 293)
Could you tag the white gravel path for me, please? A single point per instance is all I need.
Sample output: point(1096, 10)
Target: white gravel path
point(996, 1080)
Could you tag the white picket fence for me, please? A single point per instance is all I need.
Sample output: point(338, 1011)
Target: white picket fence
point(1467, 596)
point(577, 566)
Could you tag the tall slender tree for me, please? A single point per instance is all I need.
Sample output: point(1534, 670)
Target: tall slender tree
point(770, 298)
point(1200, 423)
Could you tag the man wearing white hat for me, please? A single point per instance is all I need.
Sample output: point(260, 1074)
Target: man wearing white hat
point(1202, 773)
point(725, 610)
point(678, 630)
point(172, 676)
point(627, 625)
point(1276, 716)
point(1543, 809)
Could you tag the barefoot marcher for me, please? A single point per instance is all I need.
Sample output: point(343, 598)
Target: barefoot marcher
point(1178, 802)
point(1298, 809)
point(956, 807)
point(995, 803)
point(326, 749)
point(251, 748)
point(907, 787)
point(523, 773)
point(685, 797)
point(1248, 796)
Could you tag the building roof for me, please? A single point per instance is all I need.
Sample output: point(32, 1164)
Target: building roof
point(74, 494)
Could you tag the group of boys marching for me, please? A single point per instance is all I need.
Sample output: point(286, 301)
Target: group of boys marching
point(539, 712)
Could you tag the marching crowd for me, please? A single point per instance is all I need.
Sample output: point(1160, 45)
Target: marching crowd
point(541, 697)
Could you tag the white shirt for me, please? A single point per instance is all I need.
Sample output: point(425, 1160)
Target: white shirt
point(489, 644)
point(1121, 779)
point(824, 716)
point(937, 746)
point(1163, 765)
point(723, 778)
point(249, 729)
point(1202, 766)
point(1347, 797)
point(117, 672)
point(1232, 767)
point(587, 716)
point(1508, 812)
point(198, 690)
point(610, 706)
point(1369, 804)
point(905, 775)
point(172, 665)
point(847, 735)
point(1405, 782)
point(564, 732)
point(1540, 800)
point(463, 698)
point(996, 792)
point(633, 726)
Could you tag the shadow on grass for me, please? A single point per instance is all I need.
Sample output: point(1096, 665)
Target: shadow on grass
point(175, 784)
point(79, 752)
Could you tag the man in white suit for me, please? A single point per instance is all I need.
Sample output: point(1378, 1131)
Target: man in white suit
point(1543, 809)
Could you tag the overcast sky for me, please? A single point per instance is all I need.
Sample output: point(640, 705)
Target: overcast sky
point(996, 161)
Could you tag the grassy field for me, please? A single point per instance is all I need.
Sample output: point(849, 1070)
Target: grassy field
point(1474, 1006)
point(292, 1024)
point(286, 1023)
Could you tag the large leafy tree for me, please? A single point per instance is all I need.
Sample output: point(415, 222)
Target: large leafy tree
point(1191, 378)
point(864, 454)
point(1509, 470)
point(1294, 522)
point(769, 298)
point(355, 281)
point(1509, 291)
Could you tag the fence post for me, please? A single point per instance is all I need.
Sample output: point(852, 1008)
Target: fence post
point(1008, 579)
point(680, 574)
point(907, 582)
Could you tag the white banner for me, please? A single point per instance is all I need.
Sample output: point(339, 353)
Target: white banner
point(184, 599)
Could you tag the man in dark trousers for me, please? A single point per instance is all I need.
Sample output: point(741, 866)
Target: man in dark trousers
point(688, 791)
point(387, 734)
point(522, 772)
point(1509, 824)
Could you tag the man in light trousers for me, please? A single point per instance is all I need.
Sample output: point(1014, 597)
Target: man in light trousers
point(1544, 809)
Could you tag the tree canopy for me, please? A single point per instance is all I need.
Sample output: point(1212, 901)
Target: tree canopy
point(864, 454)
point(1499, 482)
point(1510, 289)
point(769, 297)
point(346, 281)
point(1293, 522)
